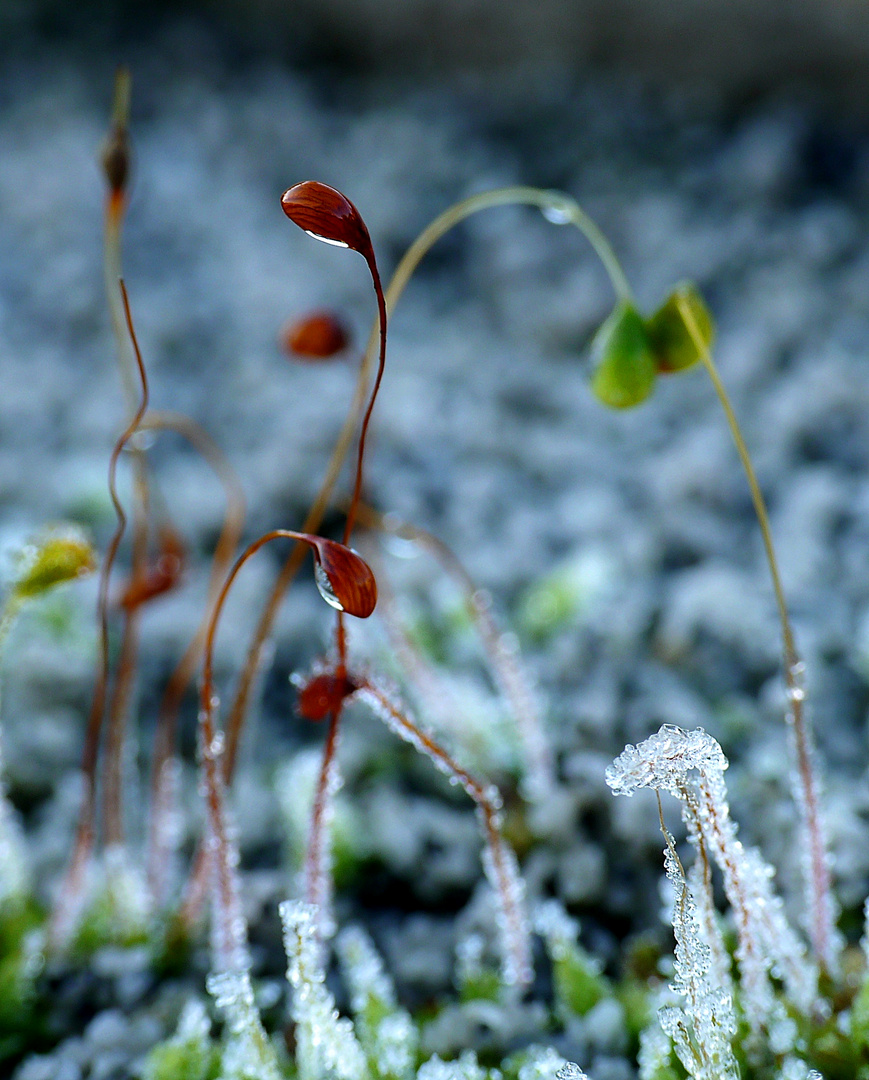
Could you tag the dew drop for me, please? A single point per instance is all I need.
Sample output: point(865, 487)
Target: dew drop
point(324, 586)
point(327, 239)
point(557, 212)
point(140, 440)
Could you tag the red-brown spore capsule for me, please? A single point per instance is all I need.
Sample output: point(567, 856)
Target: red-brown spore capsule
point(345, 579)
point(327, 215)
point(322, 695)
point(160, 577)
point(318, 336)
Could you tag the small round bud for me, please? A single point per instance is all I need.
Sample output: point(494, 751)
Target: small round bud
point(116, 160)
point(318, 336)
point(322, 695)
point(58, 555)
point(673, 343)
point(625, 366)
point(345, 580)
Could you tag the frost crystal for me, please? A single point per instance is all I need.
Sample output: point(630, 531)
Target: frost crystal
point(656, 1050)
point(795, 1069)
point(690, 765)
point(248, 1055)
point(14, 879)
point(387, 1033)
point(326, 1045)
point(465, 1068)
point(701, 1032)
point(543, 1063)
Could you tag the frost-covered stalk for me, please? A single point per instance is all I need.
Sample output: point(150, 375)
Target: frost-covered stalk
point(14, 877)
point(318, 856)
point(386, 1032)
point(655, 1053)
point(502, 653)
point(247, 1052)
point(515, 686)
point(766, 942)
point(703, 1031)
point(499, 861)
point(805, 785)
point(229, 949)
point(820, 904)
point(326, 1045)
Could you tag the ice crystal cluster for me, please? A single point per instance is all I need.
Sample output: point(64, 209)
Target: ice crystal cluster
point(248, 1055)
point(690, 766)
point(326, 1045)
point(382, 1041)
point(386, 1032)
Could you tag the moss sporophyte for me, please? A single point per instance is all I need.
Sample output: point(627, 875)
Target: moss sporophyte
point(749, 998)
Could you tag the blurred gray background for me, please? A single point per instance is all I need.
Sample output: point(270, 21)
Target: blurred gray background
point(739, 47)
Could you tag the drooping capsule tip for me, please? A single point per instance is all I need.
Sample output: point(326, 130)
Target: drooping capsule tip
point(345, 581)
point(326, 214)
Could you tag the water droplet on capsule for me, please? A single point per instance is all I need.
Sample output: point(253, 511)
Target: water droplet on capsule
point(327, 239)
point(324, 586)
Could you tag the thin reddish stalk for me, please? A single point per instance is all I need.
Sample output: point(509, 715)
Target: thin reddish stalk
point(821, 905)
point(181, 677)
point(70, 893)
point(125, 668)
point(113, 830)
point(241, 701)
point(381, 363)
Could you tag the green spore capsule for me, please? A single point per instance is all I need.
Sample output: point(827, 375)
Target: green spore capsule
point(625, 365)
point(673, 344)
point(56, 556)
